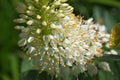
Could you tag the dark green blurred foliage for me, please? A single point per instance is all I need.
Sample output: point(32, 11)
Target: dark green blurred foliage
point(103, 11)
point(115, 37)
point(13, 68)
point(9, 68)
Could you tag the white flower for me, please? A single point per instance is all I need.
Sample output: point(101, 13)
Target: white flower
point(114, 52)
point(102, 28)
point(104, 66)
point(60, 41)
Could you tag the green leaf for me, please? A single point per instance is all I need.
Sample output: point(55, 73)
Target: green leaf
point(9, 69)
point(110, 58)
point(97, 13)
point(4, 77)
point(105, 75)
point(26, 66)
point(115, 37)
point(14, 67)
point(113, 3)
point(108, 20)
point(35, 75)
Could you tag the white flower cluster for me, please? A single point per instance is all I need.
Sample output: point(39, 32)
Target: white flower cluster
point(55, 39)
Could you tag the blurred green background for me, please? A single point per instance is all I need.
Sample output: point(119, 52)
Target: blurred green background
point(103, 11)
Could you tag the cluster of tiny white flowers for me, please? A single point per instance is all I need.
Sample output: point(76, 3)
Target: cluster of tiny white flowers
point(54, 38)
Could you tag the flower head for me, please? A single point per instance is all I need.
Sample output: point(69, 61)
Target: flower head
point(55, 39)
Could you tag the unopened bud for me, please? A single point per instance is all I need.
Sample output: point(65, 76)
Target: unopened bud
point(21, 20)
point(38, 17)
point(57, 3)
point(44, 23)
point(30, 22)
point(60, 15)
point(63, 0)
point(29, 12)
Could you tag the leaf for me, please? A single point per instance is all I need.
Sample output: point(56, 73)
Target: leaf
point(26, 66)
point(108, 19)
point(4, 77)
point(113, 3)
point(14, 67)
point(97, 12)
point(115, 37)
point(110, 58)
point(35, 75)
point(105, 75)
point(30, 75)
point(9, 67)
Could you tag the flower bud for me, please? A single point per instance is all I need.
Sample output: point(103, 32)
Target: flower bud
point(44, 23)
point(30, 22)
